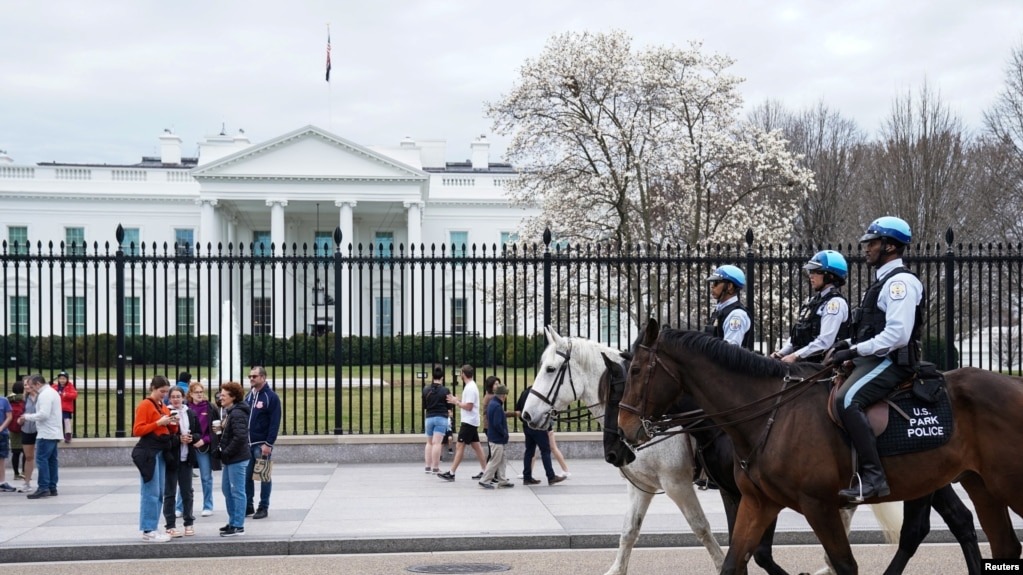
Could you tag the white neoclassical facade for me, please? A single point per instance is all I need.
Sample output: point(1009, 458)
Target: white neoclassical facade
point(294, 189)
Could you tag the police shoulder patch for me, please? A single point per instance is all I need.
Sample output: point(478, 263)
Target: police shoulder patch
point(897, 290)
point(734, 324)
point(832, 307)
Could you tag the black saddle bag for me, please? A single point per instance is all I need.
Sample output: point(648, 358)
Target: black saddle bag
point(930, 383)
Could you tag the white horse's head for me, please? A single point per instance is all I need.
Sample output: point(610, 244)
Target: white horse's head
point(570, 370)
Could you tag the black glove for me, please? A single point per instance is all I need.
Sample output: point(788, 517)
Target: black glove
point(840, 345)
point(839, 356)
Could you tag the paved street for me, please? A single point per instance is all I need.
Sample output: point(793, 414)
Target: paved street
point(330, 509)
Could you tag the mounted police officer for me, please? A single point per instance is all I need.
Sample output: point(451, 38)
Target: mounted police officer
point(824, 318)
point(730, 320)
point(885, 347)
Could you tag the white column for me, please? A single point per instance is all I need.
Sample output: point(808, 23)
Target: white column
point(277, 223)
point(277, 239)
point(209, 224)
point(414, 275)
point(347, 225)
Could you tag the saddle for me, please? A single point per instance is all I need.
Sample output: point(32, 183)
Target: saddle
point(927, 385)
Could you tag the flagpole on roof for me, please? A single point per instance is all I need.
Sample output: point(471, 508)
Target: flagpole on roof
point(330, 103)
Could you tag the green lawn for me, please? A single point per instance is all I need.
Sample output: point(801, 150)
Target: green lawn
point(309, 407)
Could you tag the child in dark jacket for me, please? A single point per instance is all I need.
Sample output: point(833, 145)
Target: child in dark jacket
point(497, 437)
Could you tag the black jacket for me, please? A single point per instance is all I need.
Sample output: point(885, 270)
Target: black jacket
point(234, 439)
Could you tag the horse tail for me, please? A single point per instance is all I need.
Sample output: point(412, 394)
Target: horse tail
point(889, 516)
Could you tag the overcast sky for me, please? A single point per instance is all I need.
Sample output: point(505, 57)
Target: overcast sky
point(99, 81)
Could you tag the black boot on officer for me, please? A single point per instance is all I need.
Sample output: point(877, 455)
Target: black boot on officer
point(872, 481)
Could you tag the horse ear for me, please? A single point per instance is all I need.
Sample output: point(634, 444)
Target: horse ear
point(607, 361)
point(552, 336)
point(650, 332)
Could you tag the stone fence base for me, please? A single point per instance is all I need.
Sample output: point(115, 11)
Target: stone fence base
point(402, 448)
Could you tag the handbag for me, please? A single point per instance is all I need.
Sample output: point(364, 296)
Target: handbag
point(262, 469)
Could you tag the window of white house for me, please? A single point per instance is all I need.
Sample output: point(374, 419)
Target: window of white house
point(459, 244)
point(323, 244)
point(184, 241)
point(18, 315)
point(507, 239)
point(383, 244)
point(74, 241)
point(131, 245)
point(17, 240)
point(261, 243)
point(132, 316)
point(262, 316)
point(609, 332)
point(384, 318)
point(74, 313)
point(458, 314)
point(185, 316)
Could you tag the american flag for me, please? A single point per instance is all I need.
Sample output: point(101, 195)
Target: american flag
point(328, 56)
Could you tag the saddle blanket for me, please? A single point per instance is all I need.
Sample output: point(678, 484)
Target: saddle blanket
point(929, 425)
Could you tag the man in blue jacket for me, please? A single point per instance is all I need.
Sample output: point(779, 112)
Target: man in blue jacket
point(264, 421)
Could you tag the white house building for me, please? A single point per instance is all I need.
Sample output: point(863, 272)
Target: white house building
point(291, 190)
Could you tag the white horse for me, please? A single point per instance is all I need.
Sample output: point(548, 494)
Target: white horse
point(570, 371)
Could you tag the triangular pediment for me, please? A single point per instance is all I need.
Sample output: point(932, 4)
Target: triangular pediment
point(309, 153)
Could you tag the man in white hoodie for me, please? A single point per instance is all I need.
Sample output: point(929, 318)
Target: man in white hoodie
point(50, 426)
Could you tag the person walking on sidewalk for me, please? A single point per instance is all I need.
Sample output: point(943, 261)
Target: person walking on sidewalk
point(497, 436)
point(535, 438)
point(264, 421)
point(468, 431)
point(435, 405)
point(48, 420)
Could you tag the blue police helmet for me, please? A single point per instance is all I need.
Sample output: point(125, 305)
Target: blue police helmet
point(888, 227)
point(828, 261)
point(728, 273)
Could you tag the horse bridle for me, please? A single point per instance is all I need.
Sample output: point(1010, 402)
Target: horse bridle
point(683, 422)
point(564, 374)
point(653, 364)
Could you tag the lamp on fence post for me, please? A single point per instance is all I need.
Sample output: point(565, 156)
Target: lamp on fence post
point(119, 430)
point(338, 428)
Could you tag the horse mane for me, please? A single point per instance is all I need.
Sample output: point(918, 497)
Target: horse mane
point(722, 353)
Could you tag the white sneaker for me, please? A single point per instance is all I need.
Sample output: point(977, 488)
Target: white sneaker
point(155, 537)
point(521, 476)
point(566, 474)
point(177, 514)
point(206, 512)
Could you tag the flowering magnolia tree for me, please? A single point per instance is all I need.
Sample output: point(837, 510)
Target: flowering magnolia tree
point(643, 146)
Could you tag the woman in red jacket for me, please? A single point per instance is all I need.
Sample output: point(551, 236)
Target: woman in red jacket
point(66, 388)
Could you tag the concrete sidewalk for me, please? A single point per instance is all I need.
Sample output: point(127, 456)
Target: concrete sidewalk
point(368, 508)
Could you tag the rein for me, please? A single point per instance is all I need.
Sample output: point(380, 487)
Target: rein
point(673, 424)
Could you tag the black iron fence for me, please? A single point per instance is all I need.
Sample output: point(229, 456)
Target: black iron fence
point(350, 335)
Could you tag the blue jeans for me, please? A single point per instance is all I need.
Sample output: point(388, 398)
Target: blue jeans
point(256, 452)
point(206, 478)
point(46, 463)
point(534, 439)
point(233, 485)
point(151, 500)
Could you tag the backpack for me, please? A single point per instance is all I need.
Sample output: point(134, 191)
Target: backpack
point(17, 410)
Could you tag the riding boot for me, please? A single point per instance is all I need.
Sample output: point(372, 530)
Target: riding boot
point(872, 479)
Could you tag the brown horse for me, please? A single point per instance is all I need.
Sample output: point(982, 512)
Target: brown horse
point(790, 454)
